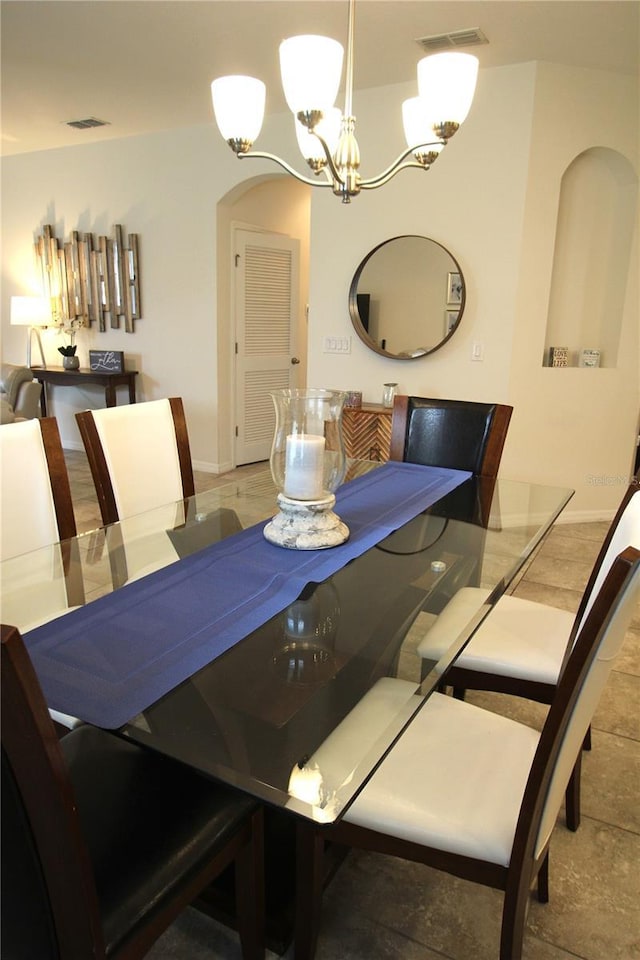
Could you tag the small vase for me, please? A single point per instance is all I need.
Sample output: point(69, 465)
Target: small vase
point(71, 363)
point(388, 394)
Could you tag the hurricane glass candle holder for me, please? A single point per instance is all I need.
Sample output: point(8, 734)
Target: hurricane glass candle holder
point(308, 463)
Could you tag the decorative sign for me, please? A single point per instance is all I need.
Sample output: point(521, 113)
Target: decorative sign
point(558, 356)
point(91, 279)
point(589, 358)
point(106, 361)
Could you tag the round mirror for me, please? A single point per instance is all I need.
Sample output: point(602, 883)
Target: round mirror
point(407, 297)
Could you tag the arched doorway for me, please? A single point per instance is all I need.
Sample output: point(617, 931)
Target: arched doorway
point(273, 204)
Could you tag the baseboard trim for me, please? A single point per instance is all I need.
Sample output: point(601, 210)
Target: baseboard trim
point(204, 466)
point(585, 516)
point(73, 445)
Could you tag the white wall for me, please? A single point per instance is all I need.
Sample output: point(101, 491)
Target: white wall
point(164, 188)
point(471, 201)
point(491, 199)
point(584, 421)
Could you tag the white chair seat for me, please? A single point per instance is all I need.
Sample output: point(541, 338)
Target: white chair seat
point(334, 763)
point(454, 781)
point(340, 753)
point(519, 638)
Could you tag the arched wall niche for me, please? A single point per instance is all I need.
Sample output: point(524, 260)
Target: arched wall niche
point(593, 243)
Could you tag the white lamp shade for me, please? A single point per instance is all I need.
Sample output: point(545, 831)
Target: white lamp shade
point(310, 67)
point(447, 82)
point(418, 125)
point(329, 130)
point(238, 105)
point(30, 312)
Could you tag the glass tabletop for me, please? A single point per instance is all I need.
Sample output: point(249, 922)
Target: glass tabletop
point(301, 711)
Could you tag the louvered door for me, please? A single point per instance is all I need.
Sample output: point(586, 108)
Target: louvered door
point(266, 313)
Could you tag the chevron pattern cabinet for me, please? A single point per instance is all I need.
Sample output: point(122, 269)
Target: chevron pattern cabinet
point(367, 431)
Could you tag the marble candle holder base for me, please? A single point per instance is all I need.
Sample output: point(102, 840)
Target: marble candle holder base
point(306, 524)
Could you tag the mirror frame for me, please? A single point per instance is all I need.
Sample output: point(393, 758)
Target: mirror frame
point(356, 320)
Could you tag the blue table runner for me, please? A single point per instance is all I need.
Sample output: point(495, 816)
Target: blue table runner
point(109, 660)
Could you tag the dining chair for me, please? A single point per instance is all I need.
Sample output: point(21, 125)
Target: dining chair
point(37, 513)
point(105, 843)
point(139, 456)
point(37, 509)
point(458, 434)
point(521, 646)
point(473, 793)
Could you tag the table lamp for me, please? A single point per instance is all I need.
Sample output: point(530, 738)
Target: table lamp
point(32, 312)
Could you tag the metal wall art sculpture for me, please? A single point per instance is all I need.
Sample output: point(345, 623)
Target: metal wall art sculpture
point(91, 279)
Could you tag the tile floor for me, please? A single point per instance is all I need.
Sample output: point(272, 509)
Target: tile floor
point(378, 908)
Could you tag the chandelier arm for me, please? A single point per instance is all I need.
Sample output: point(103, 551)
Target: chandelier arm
point(283, 163)
point(327, 152)
point(398, 165)
point(390, 174)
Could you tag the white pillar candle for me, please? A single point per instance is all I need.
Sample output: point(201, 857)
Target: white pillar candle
point(303, 470)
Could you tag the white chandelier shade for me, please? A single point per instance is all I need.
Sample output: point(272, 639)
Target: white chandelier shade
point(311, 69)
point(238, 104)
point(447, 82)
point(418, 127)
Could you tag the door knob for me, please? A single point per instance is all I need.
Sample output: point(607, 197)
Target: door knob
point(294, 360)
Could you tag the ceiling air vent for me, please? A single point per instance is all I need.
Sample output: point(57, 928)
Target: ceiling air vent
point(86, 124)
point(448, 41)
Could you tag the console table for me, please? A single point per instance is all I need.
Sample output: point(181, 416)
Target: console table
point(60, 377)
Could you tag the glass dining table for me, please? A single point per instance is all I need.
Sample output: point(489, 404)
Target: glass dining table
point(301, 709)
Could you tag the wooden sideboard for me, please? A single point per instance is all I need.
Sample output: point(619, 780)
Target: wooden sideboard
point(367, 431)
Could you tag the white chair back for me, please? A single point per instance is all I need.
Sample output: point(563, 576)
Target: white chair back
point(626, 534)
point(608, 646)
point(28, 519)
point(141, 451)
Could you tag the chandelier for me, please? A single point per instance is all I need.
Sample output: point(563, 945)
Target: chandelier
point(311, 69)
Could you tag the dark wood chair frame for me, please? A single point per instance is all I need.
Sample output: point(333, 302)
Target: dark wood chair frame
point(36, 761)
point(98, 463)
point(494, 442)
point(60, 486)
point(462, 679)
point(516, 879)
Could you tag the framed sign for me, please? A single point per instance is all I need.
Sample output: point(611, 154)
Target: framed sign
point(589, 358)
point(450, 320)
point(106, 361)
point(454, 288)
